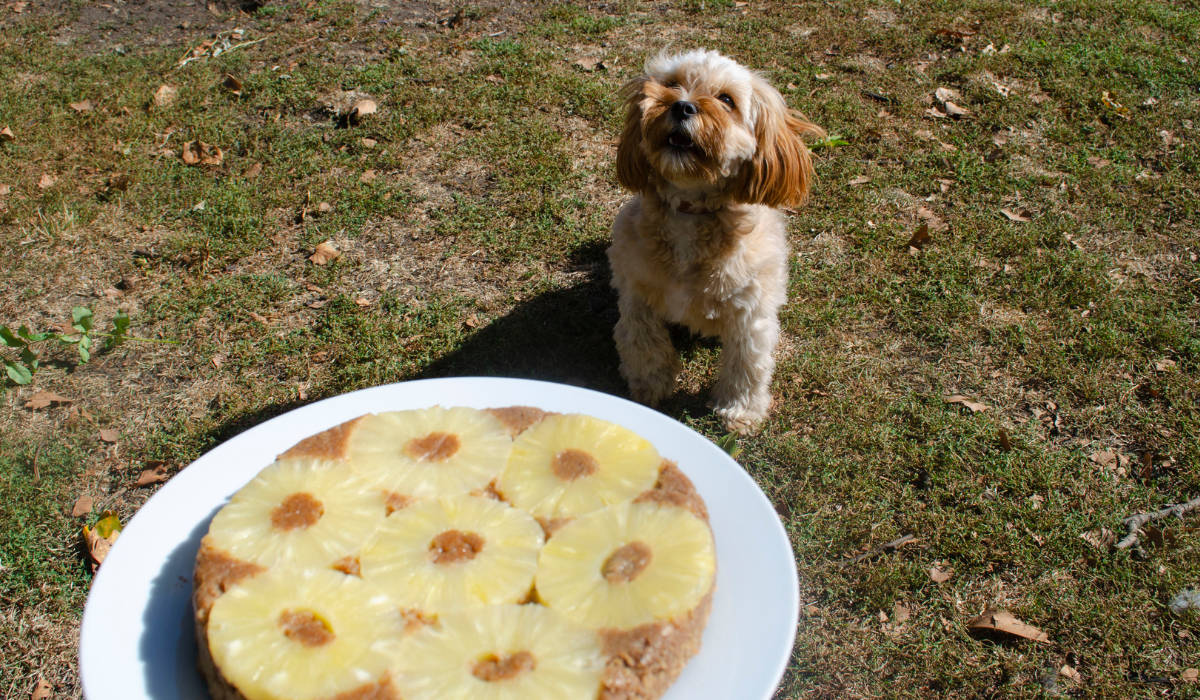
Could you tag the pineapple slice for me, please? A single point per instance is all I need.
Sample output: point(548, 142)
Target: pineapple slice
point(568, 465)
point(628, 565)
point(298, 512)
point(430, 452)
point(454, 553)
point(501, 652)
point(304, 634)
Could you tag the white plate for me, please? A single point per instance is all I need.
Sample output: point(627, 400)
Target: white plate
point(137, 644)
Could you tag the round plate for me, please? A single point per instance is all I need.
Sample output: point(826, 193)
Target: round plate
point(137, 638)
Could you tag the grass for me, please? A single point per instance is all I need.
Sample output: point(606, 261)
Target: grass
point(477, 248)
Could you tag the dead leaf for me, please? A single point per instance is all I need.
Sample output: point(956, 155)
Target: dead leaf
point(1005, 442)
point(42, 399)
point(1003, 621)
point(901, 613)
point(954, 32)
point(101, 538)
point(4, 189)
point(83, 506)
point(935, 113)
point(324, 253)
point(6, 135)
point(85, 106)
point(149, 477)
point(199, 153)
point(367, 177)
point(165, 96)
point(1097, 162)
point(791, 86)
point(1191, 675)
point(921, 238)
point(954, 110)
point(109, 435)
point(46, 181)
point(232, 84)
point(494, 79)
point(361, 109)
point(993, 155)
point(975, 407)
point(19, 7)
point(823, 76)
point(258, 317)
point(1164, 365)
point(472, 321)
point(860, 180)
point(362, 301)
point(253, 171)
point(1069, 673)
point(939, 573)
point(43, 688)
point(324, 207)
point(590, 64)
point(948, 147)
point(217, 360)
point(368, 143)
point(119, 182)
point(1100, 539)
point(1022, 215)
point(946, 94)
point(1111, 102)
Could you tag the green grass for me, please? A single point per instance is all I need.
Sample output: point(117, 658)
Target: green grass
point(492, 200)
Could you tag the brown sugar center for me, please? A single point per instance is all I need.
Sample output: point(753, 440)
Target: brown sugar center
point(434, 447)
point(571, 464)
point(298, 511)
point(627, 563)
point(454, 546)
point(305, 627)
point(502, 668)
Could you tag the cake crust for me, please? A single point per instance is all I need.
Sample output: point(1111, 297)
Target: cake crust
point(644, 661)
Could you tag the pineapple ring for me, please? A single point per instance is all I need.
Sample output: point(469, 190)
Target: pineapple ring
point(298, 512)
point(502, 652)
point(454, 553)
point(569, 465)
point(305, 634)
point(431, 452)
point(628, 565)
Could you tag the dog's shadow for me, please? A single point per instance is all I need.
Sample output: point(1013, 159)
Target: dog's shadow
point(563, 336)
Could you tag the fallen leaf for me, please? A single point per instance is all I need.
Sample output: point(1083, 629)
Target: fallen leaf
point(46, 181)
point(1003, 621)
point(83, 506)
point(954, 110)
point(935, 113)
point(993, 155)
point(324, 253)
point(43, 688)
point(921, 238)
point(1164, 365)
point(471, 321)
point(1097, 162)
point(947, 147)
point(42, 399)
point(149, 477)
point(590, 64)
point(939, 573)
point(109, 435)
point(19, 7)
point(4, 189)
point(165, 96)
point(85, 106)
point(213, 9)
point(1191, 675)
point(199, 153)
point(946, 94)
point(1069, 672)
point(1110, 102)
point(367, 177)
point(494, 79)
point(924, 134)
point(253, 171)
point(1017, 216)
point(313, 288)
point(217, 360)
point(258, 317)
point(361, 109)
point(973, 405)
point(954, 32)
point(901, 613)
point(823, 76)
point(119, 182)
point(1100, 539)
point(232, 84)
point(368, 143)
point(324, 207)
point(7, 135)
point(791, 86)
point(362, 301)
point(1005, 442)
point(101, 538)
point(860, 180)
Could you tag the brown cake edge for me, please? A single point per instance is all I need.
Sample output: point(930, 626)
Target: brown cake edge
point(645, 661)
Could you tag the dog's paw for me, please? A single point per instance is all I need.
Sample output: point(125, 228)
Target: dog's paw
point(651, 389)
point(739, 419)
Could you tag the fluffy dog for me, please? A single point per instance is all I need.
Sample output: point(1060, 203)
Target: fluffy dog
point(712, 152)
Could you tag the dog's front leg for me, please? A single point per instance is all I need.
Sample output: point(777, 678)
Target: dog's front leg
point(742, 396)
point(648, 360)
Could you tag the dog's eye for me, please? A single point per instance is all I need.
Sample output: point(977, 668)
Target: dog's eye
point(673, 86)
point(727, 100)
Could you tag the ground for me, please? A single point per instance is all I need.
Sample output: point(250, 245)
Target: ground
point(471, 212)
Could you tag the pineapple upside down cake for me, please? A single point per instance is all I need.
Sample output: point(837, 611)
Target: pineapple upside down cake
point(456, 554)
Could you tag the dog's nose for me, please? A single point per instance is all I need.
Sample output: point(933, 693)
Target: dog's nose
point(683, 109)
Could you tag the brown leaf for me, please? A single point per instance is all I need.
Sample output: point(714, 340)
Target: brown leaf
point(165, 96)
point(199, 153)
point(921, 238)
point(1003, 621)
point(361, 109)
point(362, 301)
point(367, 177)
point(43, 688)
point(955, 32)
point(939, 573)
point(19, 7)
point(85, 106)
point(1005, 442)
point(590, 64)
point(213, 9)
point(472, 321)
point(1164, 365)
point(119, 182)
point(324, 253)
point(46, 181)
point(954, 110)
point(109, 435)
point(946, 94)
point(901, 613)
point(83, 506)
point(973, 405)
point(324, 207)
point(1100, 539)
point(253, 171)
point(217, 360)
point(1105, 459)
point(948, 147)
point(1069, 673)
point(993, 155)
point(258, 317)
point(232, 84)
point(823, 76)
point(494, 79)
point(935, 113)
point(860, 180)
point(42, 399)
point(1022, 215)
point(4, 189)
point(1097, 162)
point(368, 143)
point(149, 477)
point(6, 135)
point(1191, 675)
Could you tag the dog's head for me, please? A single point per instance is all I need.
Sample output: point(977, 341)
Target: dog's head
point(702, 119)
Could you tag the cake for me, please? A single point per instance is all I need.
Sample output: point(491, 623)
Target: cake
point(441, 553)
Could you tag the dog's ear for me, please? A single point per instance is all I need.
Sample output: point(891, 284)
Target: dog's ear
point(632, 166)
point(781, 172)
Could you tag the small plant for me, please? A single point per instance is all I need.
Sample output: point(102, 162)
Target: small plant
point(22, 369)
point(729, 443)
point(831, 141)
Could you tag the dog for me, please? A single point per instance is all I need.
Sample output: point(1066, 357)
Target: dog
point(711, 152)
